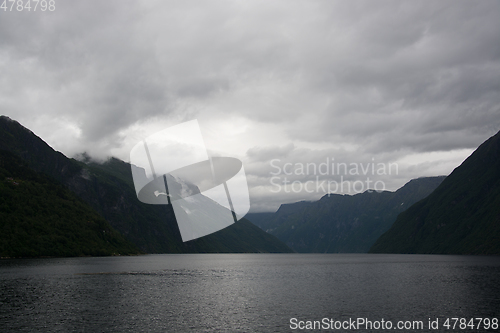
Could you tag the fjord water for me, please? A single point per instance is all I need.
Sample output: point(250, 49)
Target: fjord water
point(241, 292)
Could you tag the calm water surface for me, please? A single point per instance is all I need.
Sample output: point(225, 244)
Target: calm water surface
point(242, 292)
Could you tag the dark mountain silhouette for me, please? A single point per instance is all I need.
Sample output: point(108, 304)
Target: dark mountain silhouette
point(462, 216)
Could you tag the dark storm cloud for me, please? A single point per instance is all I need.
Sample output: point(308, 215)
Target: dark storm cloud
point(412, 70)
point(433, 62)
point(100, 70)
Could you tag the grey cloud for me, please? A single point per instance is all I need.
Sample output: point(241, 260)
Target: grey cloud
point(268, 153)
point(441, 64)
point(318, 167)
point(386, 78)
point(94, 60)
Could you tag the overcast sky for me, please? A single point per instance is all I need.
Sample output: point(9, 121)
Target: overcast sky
point(415, 83)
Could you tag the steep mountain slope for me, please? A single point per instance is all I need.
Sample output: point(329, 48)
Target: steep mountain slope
point(344, 223)
point(260, 219)
point(39, 217)
point(109, 190)
point(462, 216)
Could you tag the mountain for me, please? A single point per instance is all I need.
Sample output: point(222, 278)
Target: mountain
point(462, 216)
point(343, 223)
point(260, 219)
point(108, 188)
point(39, 217)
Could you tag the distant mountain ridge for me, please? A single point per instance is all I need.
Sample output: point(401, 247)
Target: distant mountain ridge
point(108, 188)
point(462, 216)
point(343, 223)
